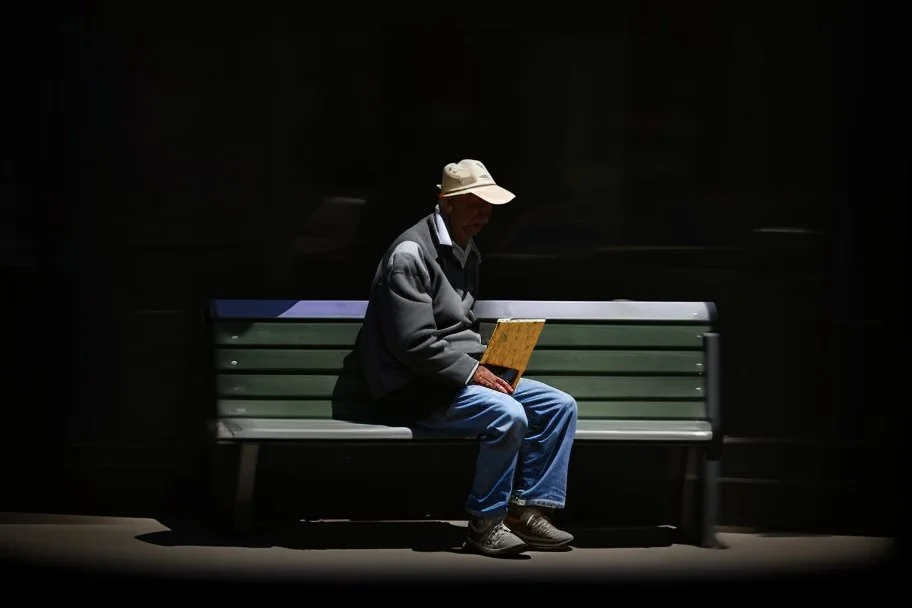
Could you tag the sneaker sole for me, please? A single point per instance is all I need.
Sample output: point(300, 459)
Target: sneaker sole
point(496, 553)
point(534, 544)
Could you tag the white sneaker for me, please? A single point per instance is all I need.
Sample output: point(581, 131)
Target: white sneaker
point(491, 537)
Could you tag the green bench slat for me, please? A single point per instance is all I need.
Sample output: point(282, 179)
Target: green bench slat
point(543, 361)
point(642, 410)
point(581, 387)
point(275, 408)
point(266, 333)
point(566, 335)
point(323, 409)
point(280, 359)
point(554, 334)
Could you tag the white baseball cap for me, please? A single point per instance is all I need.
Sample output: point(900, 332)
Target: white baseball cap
point(471, 176)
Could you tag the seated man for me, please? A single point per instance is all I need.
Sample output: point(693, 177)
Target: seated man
point(420, 350)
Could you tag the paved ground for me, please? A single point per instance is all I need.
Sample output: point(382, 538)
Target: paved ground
point(343, 552)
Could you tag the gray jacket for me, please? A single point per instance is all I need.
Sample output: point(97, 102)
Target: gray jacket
point(419, 319)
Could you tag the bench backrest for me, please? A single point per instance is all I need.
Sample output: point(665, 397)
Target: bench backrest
point(619, 359)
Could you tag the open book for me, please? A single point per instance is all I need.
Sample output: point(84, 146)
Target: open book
point(510, 347)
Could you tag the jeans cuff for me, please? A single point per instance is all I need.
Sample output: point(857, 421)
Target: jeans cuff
point(536, 502)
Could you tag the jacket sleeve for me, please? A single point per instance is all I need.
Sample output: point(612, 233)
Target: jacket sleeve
point(410, 328)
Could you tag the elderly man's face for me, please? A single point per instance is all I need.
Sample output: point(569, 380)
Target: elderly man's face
point(468, 214)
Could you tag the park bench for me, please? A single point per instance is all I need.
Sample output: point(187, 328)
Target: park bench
point(641, 372)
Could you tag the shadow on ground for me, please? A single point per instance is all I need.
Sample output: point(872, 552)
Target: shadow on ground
point(422, 536)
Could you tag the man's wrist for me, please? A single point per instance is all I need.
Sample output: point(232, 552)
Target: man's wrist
point(472, 373)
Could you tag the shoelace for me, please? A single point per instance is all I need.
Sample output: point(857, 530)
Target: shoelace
point(493, 535)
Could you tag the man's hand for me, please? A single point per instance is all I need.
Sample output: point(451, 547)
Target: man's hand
point(486, 377)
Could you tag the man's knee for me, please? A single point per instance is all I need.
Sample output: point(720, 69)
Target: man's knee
point(564, 404)
point(568, 405)
point(511, 419)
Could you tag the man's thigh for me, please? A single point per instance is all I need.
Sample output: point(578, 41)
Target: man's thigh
point(474, 409)
point(538, 396)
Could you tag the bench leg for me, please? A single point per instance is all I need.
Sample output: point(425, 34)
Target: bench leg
point(686, 494)
point(699, 498)
point(709, 502)
point(245, 484)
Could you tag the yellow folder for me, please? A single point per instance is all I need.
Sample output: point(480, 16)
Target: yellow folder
point(510, 347)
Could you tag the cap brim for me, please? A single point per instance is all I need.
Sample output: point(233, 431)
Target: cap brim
point(492, 193)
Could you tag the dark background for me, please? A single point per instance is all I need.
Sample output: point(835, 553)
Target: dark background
point(748, 154)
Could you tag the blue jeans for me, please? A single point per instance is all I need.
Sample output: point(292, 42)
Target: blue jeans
point(525, 438)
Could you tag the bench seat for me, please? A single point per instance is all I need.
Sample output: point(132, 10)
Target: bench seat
point(282, 429)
